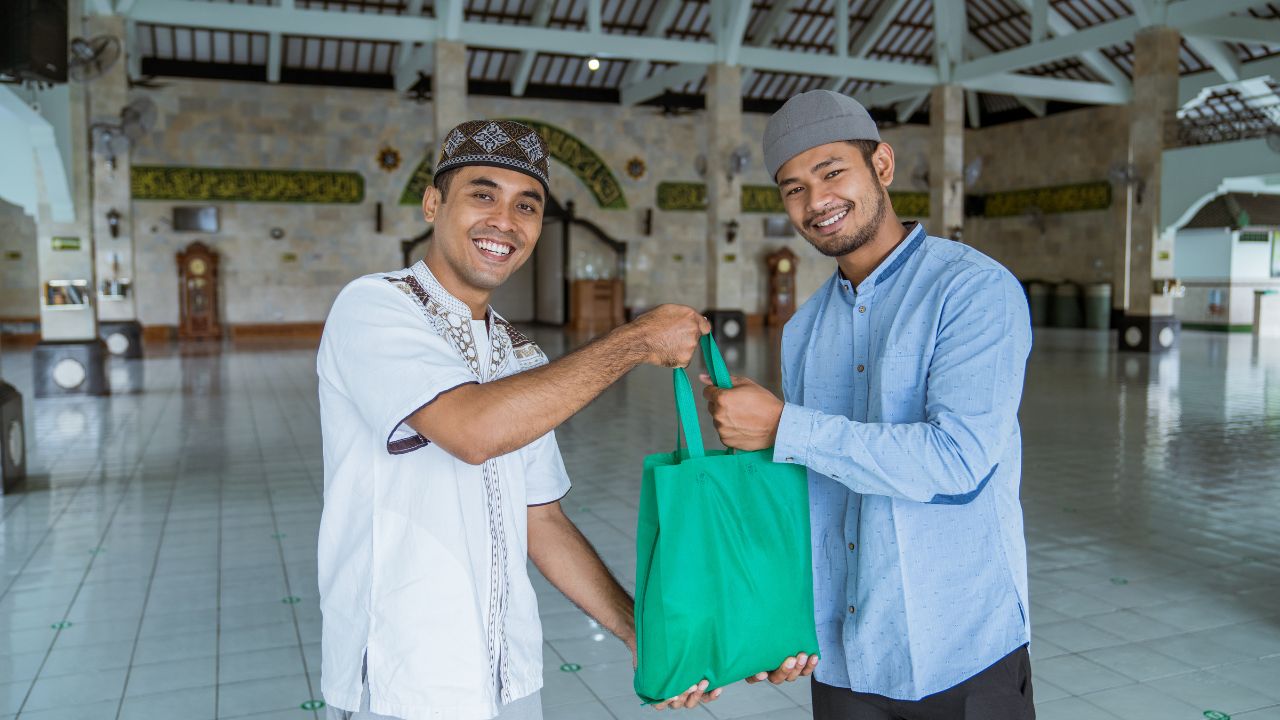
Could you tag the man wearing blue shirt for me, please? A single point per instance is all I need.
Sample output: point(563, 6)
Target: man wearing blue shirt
point(902, 377)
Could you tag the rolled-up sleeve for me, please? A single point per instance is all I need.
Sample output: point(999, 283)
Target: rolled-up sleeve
point(974, 386)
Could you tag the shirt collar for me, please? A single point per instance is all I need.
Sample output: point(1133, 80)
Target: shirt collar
point(445, 298)
point(889, 267)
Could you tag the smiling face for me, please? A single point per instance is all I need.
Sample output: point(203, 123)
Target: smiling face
point(486, 225)
point(836, 196)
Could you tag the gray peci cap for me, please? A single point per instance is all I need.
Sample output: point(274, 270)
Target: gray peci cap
point(811, 119)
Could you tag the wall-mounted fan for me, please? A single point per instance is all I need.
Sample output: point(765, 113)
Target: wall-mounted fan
point(93, 57)
point(112, 139)
point(420, 91)
point(1126, 175)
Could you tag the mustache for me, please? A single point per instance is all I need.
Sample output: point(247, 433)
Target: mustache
point(508, 237)
point(812, 217)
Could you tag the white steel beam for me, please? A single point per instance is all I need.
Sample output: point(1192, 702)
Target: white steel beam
point(1237, 29)
point(1192, 88)
point(1178, 15)
point(1220, 57)
point(870, 33)
point(269, 19)
point(772, 22)
point(1059, 26)
point(595, 24)
point(274, 51)
point(769, 27)
point(841, 17)
point(907, 108)
point(663, 13)
point(655, 85)
point(1039, 20)
point(734, 15)
point(1090, 93)
point(973, 108)
point(975, 49)
point(811, 64)
point(449, 19)
point(891, 94)
point(875, 27)
point(519, 81)
point(411, 61)
point(949, 29)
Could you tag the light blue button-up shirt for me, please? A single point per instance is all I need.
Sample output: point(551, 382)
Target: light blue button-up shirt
point(902, 399)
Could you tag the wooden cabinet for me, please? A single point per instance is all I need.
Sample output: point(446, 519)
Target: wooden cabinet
point(198, 293)
point(782, 287)
point(596, 305)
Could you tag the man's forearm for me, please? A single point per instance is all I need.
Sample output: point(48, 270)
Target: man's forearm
point(480, 421)
point(569, 562)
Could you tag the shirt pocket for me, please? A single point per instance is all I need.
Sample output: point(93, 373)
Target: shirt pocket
point(899, 390)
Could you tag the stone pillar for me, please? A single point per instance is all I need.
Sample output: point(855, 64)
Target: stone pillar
point(70, 358)
point(946, 161)
point(112, 203)
point(725, 256)
point(449, 87)
point(1148, 324)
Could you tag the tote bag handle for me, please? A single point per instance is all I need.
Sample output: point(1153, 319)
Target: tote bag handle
point(686, 406)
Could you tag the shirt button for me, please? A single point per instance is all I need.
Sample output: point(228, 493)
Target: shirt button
point(862, 308)
point(852, 609)
point(861, 368)
point(852, 546)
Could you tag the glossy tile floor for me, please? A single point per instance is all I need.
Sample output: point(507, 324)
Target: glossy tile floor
point(160, 562)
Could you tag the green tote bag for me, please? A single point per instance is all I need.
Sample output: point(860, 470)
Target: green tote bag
point(724, 577)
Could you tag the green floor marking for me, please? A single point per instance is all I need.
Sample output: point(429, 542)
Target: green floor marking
point(1215, 715)
point(312, 705)
point(95, 551)
point(278, 536)
point(61, 625)
point(570, 667)
point(1119, 581)
point(291, 600)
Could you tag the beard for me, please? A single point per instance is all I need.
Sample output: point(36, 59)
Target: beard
point(845, 244)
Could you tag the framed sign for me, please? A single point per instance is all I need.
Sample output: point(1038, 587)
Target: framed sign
point(68, 294)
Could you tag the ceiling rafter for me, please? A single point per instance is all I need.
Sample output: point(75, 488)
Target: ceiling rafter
point(541, 16)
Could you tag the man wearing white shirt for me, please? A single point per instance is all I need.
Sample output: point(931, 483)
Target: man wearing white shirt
point(442, 472)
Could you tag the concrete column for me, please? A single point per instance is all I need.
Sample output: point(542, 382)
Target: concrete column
point(117, 309)
point(946, 161)
point(70, 359)
point(449, 87)
point(725, 258)
point(1148, 324)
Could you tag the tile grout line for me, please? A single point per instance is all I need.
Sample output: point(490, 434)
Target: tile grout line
point(146, 601)
point(124, 491)
point(284, 565)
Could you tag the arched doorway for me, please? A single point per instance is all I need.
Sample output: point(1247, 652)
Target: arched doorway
point(539, 291)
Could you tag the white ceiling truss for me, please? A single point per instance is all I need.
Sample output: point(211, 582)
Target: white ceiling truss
point(888, 53)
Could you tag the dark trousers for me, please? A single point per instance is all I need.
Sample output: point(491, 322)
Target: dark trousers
point(1001, 692)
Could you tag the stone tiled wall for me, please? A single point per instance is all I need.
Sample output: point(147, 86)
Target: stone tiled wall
point(1062, 149)
point(227, 124)
point(19, 274)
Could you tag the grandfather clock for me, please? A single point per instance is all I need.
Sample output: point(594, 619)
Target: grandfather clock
point(198, 293)
point(782, 287)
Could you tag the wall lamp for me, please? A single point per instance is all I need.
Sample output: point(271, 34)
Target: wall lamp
point(113, 222)
point(731, 231)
